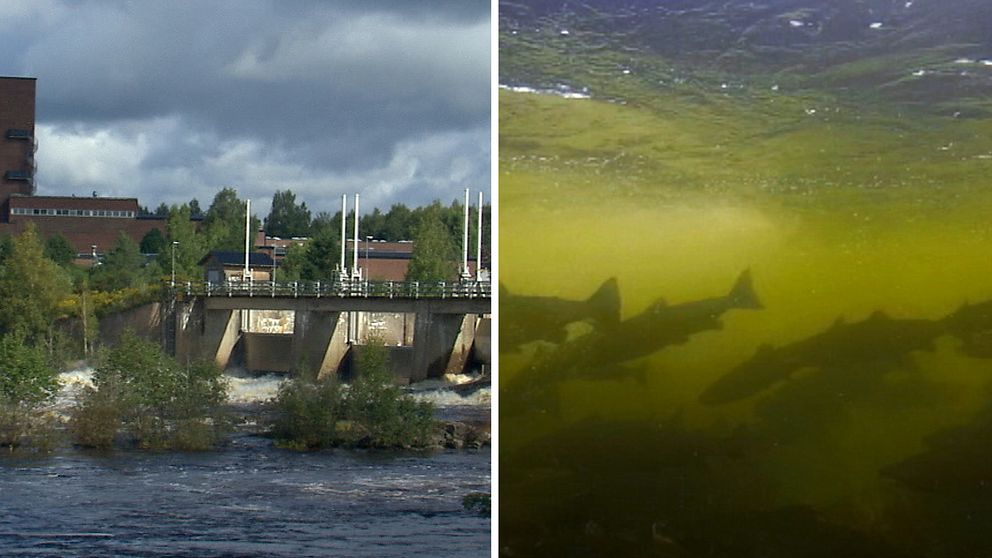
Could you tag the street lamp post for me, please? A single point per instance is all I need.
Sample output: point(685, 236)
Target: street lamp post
point(174, 244)
point(93, 253)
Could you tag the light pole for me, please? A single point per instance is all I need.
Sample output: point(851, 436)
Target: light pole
point(93, 253)
point(174, 244)
point(368, 238)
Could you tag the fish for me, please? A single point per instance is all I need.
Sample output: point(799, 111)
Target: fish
point(600, 354)
point(660, 326)
point(876, 339)
point(954, 462)
point(525, 319)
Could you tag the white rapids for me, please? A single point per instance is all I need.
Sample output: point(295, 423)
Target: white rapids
point(244, 389)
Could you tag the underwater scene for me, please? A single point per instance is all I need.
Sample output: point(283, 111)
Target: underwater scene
point(745, 265)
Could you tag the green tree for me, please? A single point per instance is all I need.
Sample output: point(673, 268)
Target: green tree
point(434, 252)
point(291, 266)
point(162, 210)
point(374, 224)
point(121, 268)
point(155, 401)
point(27, 376)
point(154, 242)
point(388, 416)
point(398, 223)
point(31, 287)
point(191, 247)
point(323, 254)
point(224, 222)
point(325, 222)
point(27, 380)
point(6, 247)
point(58, 249)
point(287, 219)
point(372, 412)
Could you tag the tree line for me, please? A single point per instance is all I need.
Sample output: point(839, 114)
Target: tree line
point(289, 219)
point(436, 230)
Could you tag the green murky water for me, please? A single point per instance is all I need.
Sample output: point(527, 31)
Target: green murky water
point(855, 451)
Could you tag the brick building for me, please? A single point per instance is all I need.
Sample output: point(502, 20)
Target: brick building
point(382, 260)
point(17, 145)
point(84, 221)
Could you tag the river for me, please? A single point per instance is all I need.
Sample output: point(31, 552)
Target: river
point(247, 498)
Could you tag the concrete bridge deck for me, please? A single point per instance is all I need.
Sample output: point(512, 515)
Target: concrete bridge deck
point(451, 323)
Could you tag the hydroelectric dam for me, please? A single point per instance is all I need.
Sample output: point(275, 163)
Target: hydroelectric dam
point(317, 330)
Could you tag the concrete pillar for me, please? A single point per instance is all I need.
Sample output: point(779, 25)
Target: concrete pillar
point(319, 342)
point(482, 350)
point(461, 348)
point(187, 326)
point(337, 349)
point(433, 340)
point(409, 323)
point(221, 329)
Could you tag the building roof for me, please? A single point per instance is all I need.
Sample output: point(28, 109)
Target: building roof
point(238, 259)
point(71, 202)
point(380, 245)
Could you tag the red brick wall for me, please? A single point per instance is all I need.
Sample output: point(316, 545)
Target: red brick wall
point(17, 112)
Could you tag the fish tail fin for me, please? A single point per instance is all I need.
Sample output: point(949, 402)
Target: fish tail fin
point(605, 302)
point(743, 295)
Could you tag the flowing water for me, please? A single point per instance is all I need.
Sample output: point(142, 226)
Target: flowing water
point(245, 499)
point(847, 412)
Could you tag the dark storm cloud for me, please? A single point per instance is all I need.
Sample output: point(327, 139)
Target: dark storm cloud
point(311, 95)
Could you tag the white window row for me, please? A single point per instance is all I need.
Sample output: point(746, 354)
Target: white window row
point(73, 212)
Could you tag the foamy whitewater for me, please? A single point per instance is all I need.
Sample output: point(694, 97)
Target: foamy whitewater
point(561, 90)
point(245, 389)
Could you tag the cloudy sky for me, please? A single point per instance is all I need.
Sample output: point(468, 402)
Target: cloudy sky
point(167, 101)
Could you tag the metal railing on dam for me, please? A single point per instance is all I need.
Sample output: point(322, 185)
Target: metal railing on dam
point(341, 289)
point(450, 321)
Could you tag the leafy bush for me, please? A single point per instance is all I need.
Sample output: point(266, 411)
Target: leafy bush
point(27, 426)
point(372, 412)
point(145, 398)
point(25, 373)
point(308, 414)
point(375, 402)
point(27, 380)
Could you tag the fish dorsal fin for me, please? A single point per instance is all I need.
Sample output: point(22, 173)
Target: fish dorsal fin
point(878, 315)
point(765, 349)
point(503, 291)
point(839, 322)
